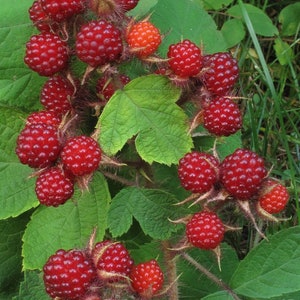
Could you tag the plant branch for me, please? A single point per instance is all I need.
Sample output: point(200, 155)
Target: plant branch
point(118, 178)
point(210, 275)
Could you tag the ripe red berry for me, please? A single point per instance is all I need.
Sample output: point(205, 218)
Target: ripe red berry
point(53, 187)
point(98, 43)
point(222, 117)
point(185, 58)
point(56, 95)
point(46, 54)
point(205, 230)
point(127, 5)
point(61, 10)
point(68, 274)
point(242, 173)
point(221, 72)
point(39, 17)
point(147, 278)
point(38, 145)
point(273, 196)
point(143, 38)
point(112, 261)
point(45, 117)
point(81, 155)
point(106, 86)
point(198, 171)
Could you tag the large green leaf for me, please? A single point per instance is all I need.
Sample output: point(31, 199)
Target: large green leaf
point(32, 288)
point(187, 19)
point(194, 284)
point(11, 231)
point(262, 24)
point(272, 268)
point(151, 208)
point(17, 190)
point(67, 226)
point(19, 86)
point(146, 108)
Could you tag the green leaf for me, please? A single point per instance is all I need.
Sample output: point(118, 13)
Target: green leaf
point(272, 268)
point(289, 17)
point(233, 32)
point(222, 295)
point(262, 24)
point(187, 19)
point(146, 108)
point(151, 208)
point(216, 4)
point(283, 51)
point(67, 226)
point(11, 231)
point(194, 283)
point(32, 288)
point(17, 190)
point(19, 86)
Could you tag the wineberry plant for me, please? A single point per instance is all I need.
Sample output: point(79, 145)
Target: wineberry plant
point(137, 150)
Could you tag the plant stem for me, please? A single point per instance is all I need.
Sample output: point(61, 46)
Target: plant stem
point(171, 270)
point(210, 275)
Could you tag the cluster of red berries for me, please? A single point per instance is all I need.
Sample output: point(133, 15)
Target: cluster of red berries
point(240, 178)
point(99, 34)
point(94, 273)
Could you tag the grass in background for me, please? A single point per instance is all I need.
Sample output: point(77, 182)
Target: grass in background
point(272, 114)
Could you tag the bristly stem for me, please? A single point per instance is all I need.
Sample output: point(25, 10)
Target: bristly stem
point(210, 275)
point(171, 270)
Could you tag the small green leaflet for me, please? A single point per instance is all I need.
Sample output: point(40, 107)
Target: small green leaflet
point(151, 208)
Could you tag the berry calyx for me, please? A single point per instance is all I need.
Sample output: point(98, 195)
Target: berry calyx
point(61, 10)
point(81, 155)
point(56, 95)
point(205, 230)
point(106, 86)
point(221, 72)
point(222, 117)
point(185, 58)
point(147, 278)
point(143, 39)
point(68, 274)
point(198, 171)
point(273, 196)
point(98, 43)
point(242, 173)
point(53, 187)
point(112, 261)
point(46, 54)
point(38, 145)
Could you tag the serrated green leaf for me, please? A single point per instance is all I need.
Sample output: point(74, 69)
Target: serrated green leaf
point(233, 32)
point(11, 231)
point(151, 208)
point(146, 107)
point(283, 51)
point(67, 226)
point(17, 192)
point(19, 86)
point(194, 283)
point(261, 22)
point(289, 17)
point(187, 19)
point(272, 268)
point(32, 288)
